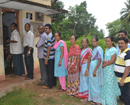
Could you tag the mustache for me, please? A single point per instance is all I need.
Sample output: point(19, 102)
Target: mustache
point(120, 46)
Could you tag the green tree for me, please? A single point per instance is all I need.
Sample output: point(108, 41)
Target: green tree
point(125, 12)
point(59, 17)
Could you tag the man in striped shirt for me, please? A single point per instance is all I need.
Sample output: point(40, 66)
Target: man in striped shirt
point(122, 68)
point(48, 56)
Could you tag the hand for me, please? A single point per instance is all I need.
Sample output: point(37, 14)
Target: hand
point(41, 45)
point(23, 53)
point(75, 70)
point(105, 62)
point(46, 62)
point(103, 66)
point(59, 63)
point(94, 74)
point(121, 82)
point(28, 54)
point(86, 73)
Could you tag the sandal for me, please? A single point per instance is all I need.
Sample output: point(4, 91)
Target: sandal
point(74, 96)
point(84, 100)
point(45, 87)
point(61, 90)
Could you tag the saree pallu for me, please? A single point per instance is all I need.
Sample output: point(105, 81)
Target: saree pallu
point(84, 82)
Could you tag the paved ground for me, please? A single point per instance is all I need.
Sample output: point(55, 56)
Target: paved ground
point(9, 83)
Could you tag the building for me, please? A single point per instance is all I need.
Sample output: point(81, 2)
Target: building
point(37, 12)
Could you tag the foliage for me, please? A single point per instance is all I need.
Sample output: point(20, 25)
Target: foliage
point(101, 43)
point(115, 26)
point(125, 12)
point(77, 22)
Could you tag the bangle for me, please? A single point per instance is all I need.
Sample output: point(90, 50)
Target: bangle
point(29, 52)
point(86, 69)
point(76, 67)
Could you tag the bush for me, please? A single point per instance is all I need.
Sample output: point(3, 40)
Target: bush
point(102, 42)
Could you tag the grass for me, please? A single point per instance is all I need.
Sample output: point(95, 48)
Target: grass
point(31, 94)
point(19, 97)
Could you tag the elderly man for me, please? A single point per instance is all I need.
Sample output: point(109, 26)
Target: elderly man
point(16, 51)
point(40, 46)
point(28, 51)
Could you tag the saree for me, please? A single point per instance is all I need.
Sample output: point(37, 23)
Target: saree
point(84, 81)
point(95, 83)
point(73, 78)
point(110, 90)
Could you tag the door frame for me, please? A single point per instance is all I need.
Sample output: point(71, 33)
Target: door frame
point(17, 16)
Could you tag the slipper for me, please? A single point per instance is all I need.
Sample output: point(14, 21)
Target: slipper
point(45, 87)
point(73, 96)
point(93, 103)
point(84, 100)
point(61, 90)
point(16, 76)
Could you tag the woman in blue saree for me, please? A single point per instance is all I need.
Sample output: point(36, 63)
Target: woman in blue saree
point(85, 59)
point(110, 90)
point(95, 73)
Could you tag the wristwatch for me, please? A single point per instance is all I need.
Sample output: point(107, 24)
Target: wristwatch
point(76, 67)
point(29, 52)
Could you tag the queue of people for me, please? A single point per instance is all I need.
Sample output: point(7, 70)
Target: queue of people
point(92, 75)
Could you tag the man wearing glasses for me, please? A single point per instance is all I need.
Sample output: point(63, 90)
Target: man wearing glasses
point(48, 56)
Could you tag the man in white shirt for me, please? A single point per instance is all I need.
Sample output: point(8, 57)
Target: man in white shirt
point(16, 51)
point(28, 51)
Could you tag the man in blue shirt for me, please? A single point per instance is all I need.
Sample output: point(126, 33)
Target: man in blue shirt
point(122, 33)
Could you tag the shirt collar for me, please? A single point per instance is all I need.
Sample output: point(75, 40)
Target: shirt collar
point(125, 50)
point(14, 30)
point(49, 35)
point(28, 31)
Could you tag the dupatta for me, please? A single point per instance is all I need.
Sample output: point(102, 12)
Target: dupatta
point(100, 51)
point(65, 52)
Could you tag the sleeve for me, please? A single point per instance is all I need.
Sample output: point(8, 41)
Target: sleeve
point(41, 41)
point(31, 40)
point(129, 46)
point(127, 59)
point(98, 55)
point(50, 41)
point(114, 51)
point(61, 44)
point(16, 37)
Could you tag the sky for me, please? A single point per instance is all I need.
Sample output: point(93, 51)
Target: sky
point(104, 10)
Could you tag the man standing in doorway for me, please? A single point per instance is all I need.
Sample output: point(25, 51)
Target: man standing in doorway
point(28, 51)
point(40, 46)
point(49, 54)
point(16, 51)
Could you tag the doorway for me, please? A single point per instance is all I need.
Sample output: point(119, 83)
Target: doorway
point(9, 16)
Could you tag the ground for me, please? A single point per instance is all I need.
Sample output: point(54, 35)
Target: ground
point(32, 94)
